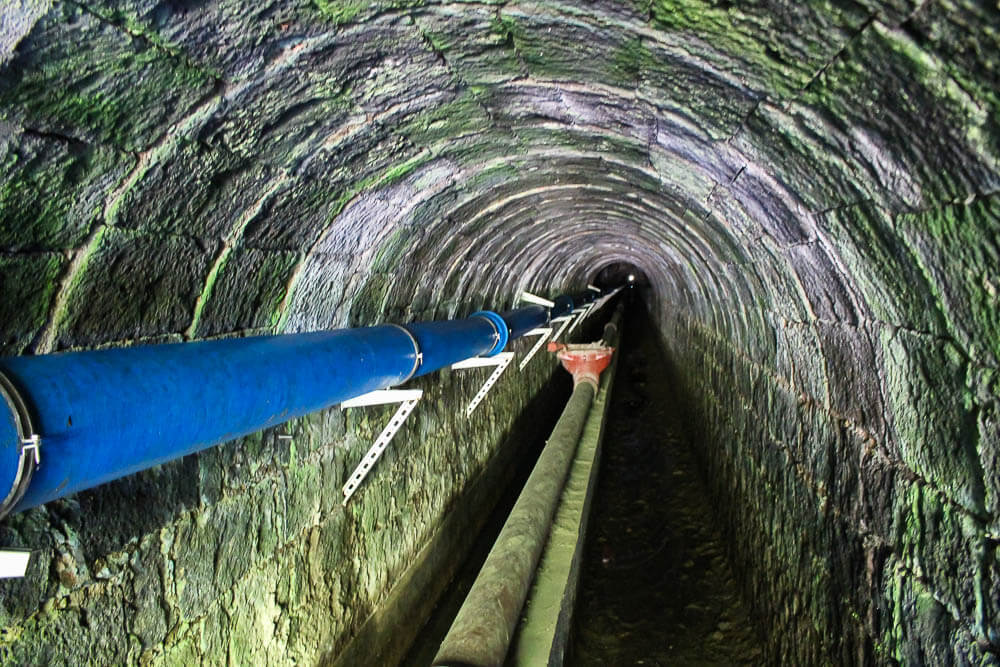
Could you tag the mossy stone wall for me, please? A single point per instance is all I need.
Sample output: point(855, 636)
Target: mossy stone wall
point(810, 189)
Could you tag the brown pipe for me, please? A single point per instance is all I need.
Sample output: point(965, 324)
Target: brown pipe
point(485, 624)
point(482, 631)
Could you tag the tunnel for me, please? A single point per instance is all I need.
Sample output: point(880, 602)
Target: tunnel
point(803, 194)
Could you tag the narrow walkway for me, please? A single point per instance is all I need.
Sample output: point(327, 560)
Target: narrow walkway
point(656, 588)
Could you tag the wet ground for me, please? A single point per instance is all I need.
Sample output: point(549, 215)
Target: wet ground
point(656, 588)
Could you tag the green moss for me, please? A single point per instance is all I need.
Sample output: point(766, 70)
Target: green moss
point(209, 287)
point(701, 17)
point(155, 279)
point(41, 184)
point(884, 271)
point(114, 93)
point(967, 100)
point(632, 58)
point(957, 248)
point(369, 304)
point(437, 42)
point(730, 32)
point(340, 11)
point(137, 27)
point(392, 250)
point(505, 26)
point(485, 179)
point(462, 116)
point(30, 284)
point(389, 176)
point(924, 91)
point(935, 424)
point(244, 291)
point(397, 172)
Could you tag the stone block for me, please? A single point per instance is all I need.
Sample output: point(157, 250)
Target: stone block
point(84, 76)
point(849, 355)
point(482, 48)
point(193, 555)
point(149, 621)
point(988, 426)
point(886, 275)
point(198, 190)
point(248, 292)
point(932, 416)
point(132, 286)
point(928, 150)
point(941, 544)
point(29, 284)
point(954, 246)
point(799, 360)
point(807, 146)
point(53, 189)
point(921, 630)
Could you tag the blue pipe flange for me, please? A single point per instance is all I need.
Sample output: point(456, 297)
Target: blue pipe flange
point(28, 445)
point(503, 333)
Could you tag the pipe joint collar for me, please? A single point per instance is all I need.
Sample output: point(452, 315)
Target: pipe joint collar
point(418, 356)
point(29, 445)
point(502, 330)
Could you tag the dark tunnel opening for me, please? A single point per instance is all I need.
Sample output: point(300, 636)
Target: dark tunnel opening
point(620, 274)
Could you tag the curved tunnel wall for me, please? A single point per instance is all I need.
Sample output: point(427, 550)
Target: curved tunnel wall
point(810, 190)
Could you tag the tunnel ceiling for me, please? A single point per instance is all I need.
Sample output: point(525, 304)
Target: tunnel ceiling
point(784, 175)
point(178, 170)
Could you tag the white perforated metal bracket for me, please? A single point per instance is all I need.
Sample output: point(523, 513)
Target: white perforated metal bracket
point(544, 333)
point(407, 398)
point(607, 297)
point(528, 297)
point(13, 562)
point(499, 361)
point(583, 313)
point(565, 319)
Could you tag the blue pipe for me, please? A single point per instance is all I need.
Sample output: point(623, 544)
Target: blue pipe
point(105, 414)
point(443, 343)
point(523, 320)
point(563, 306)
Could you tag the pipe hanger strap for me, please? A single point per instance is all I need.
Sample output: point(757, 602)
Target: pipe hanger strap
point(27, 440)
point(502, 332)
point(418, 356)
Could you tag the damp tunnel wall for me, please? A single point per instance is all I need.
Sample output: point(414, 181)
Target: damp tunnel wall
point(809, 189)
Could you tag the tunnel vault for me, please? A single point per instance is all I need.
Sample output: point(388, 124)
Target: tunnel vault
point(810, 190)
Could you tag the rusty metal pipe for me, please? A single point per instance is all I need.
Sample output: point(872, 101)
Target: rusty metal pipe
point(484, 626)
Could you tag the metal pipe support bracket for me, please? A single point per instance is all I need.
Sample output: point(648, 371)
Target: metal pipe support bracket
point(407, 398)
point(499, 362)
